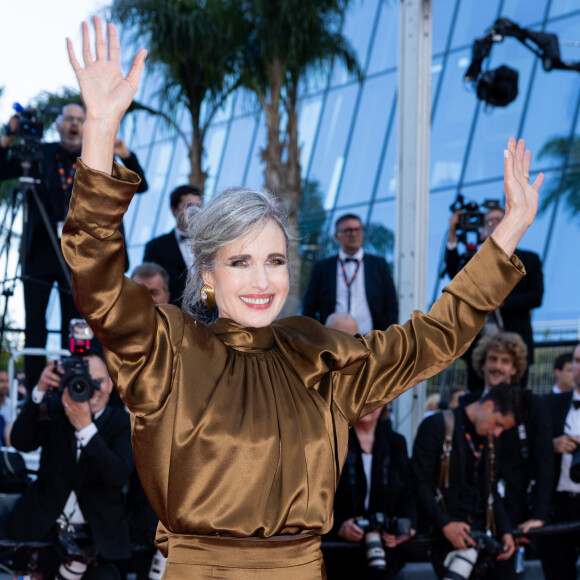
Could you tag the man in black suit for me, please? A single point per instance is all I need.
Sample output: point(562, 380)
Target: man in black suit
point(524, 455)
point(353, 282)
point(456, 509)
point(85, 461)
point(515, 313)
point(559, 553)
point(42, 260)
point(172, 250)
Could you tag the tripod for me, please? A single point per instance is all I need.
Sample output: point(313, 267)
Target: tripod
point(22, 199)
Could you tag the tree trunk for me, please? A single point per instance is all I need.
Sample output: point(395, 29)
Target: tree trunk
point(197, 176)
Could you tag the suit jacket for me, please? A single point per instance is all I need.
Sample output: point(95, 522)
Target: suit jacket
point(527, 295)
point(426, 464)
point(517, 470)
point(98, 477)
point(320, 297)
point(391, 491)
point(165, 251)
point(558, 406)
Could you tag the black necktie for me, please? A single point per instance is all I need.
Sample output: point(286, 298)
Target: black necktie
point(576, 405)
point(350, 260)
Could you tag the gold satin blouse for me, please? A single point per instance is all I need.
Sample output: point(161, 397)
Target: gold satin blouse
point(243, 431)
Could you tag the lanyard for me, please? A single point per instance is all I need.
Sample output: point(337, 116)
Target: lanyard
point(476, 452)
point(346, 280)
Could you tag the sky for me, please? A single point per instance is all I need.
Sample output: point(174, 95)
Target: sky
point(33, 48)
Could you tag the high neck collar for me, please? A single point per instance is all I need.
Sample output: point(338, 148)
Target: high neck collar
point(243, 338)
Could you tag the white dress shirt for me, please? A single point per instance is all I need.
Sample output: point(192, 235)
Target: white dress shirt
point(571, 427)
point(359, 308)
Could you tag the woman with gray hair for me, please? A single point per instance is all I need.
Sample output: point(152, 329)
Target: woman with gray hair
point(240, 428)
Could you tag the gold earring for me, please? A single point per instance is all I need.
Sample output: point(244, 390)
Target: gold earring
point(207, 295)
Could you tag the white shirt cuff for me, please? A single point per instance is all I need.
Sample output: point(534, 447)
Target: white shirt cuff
point(451, 245)
point(37, 395)
point(85, 434)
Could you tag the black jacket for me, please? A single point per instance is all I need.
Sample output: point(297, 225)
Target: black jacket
point(391, 492)
point(426, 463)
point(517, 470)
point(97, 477)
point(165, 251)
point(320, 297)
point(527, 295)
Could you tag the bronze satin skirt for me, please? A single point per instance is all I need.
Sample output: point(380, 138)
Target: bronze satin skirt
point(223, 558)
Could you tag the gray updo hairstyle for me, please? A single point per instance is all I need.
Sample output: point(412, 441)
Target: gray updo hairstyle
point(228, 217)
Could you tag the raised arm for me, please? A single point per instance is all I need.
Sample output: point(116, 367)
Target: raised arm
point(521, 202)
point(106, 93)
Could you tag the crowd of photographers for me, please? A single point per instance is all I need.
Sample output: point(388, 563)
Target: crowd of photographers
point(494, 460)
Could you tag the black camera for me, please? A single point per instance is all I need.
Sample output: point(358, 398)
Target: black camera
point(77, 378)
point(372, 528)
point(575, 466)
point(460, 563)
point(472, 217)
point(29, 134)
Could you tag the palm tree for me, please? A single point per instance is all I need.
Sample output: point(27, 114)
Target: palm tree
point(192, 45)
point(567, 188)
point(284, 41)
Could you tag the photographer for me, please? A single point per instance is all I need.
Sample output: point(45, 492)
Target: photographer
point(76, 501)
point(376, 481)
point(43, 263)
point(514, 315)
point(454, 469)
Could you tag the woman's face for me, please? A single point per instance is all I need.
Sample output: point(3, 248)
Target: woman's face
point(250, 277)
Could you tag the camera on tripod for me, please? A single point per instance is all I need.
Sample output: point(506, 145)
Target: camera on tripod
point(460, 563)
point(29, 134)
point(76, 378)
point(372, 528)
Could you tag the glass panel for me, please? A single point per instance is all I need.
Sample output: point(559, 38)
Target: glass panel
point(387, 187)
point(524, 12)
point(213, 145)
point(236, 153)
point(329, 152)
point(146, 205)
point(439, 214)
point(255, 174)
point(246, 102)
point(380, 231)
point(559, 7)
point(473, 19)
point(562, 280)
point(385, 47)
point(307, 125)
point(367, 140)
point(357, 29)
point(441, 16)
point(450, 125)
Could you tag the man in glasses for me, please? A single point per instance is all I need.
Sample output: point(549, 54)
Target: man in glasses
point(515, 313)
point(352, 281)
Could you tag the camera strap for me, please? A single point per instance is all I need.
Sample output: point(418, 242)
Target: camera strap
point(489, 517)
point(449, 420)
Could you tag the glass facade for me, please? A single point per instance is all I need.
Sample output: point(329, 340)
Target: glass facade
point(348, 135)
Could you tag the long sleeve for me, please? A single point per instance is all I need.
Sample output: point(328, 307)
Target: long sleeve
point(405, 355)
